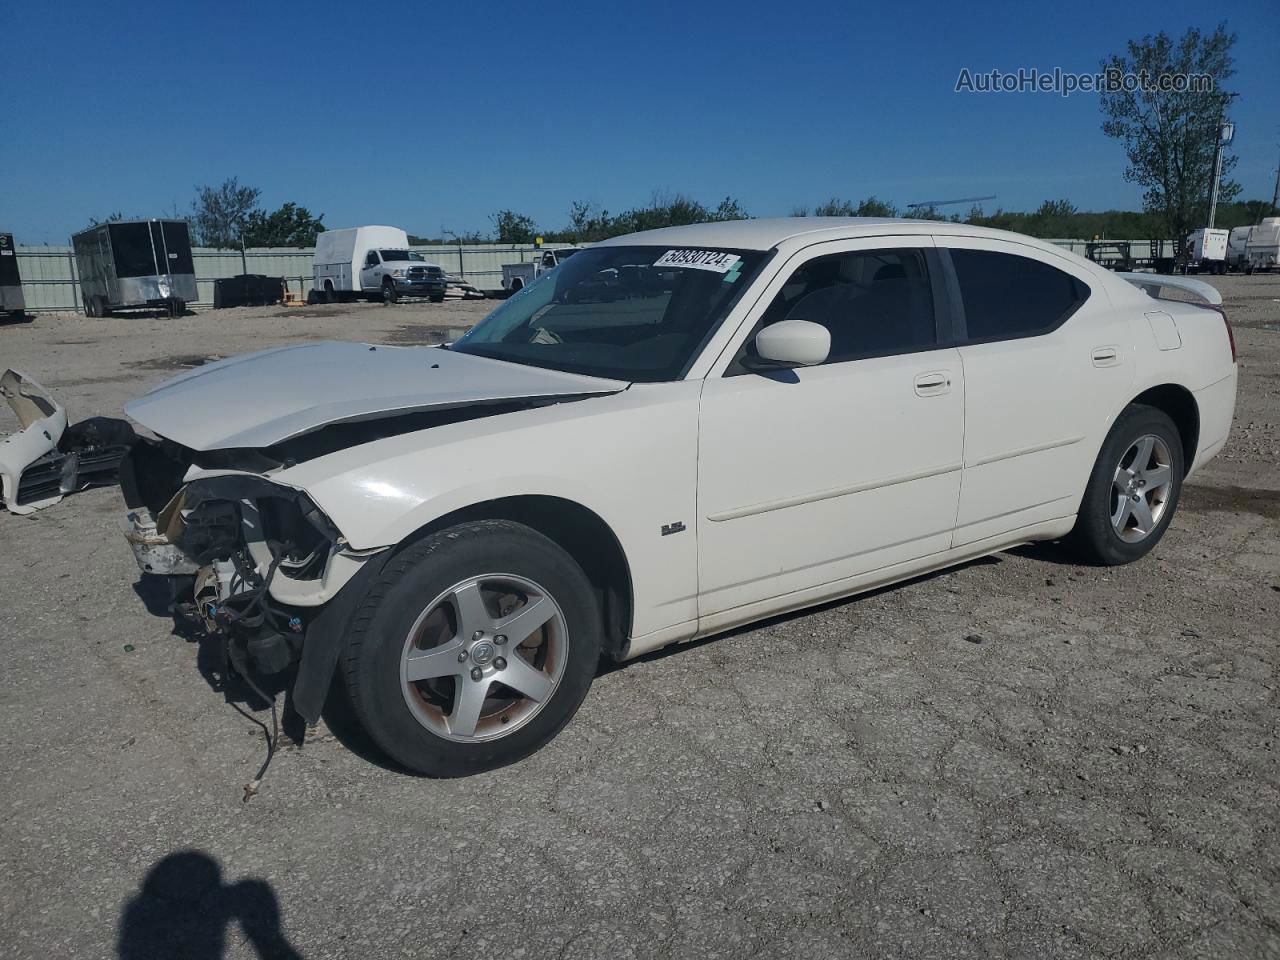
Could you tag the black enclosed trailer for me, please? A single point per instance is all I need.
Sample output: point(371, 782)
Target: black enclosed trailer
point(11, 299)
point(133, 264)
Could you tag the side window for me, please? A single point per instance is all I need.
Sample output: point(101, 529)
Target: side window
point(1006, 296)
point(371, 259)
point(874, 302)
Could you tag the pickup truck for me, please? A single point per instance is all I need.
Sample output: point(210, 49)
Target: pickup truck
point(517, 276)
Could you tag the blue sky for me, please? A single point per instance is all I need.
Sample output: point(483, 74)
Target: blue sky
point(434, 115)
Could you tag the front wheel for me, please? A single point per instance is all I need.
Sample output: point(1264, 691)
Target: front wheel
point(389, 294)
point(1133, 490)
point(473, 649)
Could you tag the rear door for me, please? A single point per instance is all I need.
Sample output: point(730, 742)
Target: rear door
point(813, 476)
point(1047, 362)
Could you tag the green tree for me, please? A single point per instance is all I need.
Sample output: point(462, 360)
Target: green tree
point(835, 207)
point(290, 226)
point(875, 207)
point(1170, 136)
point(219, 214)
point(512, 227)
point(729, 209)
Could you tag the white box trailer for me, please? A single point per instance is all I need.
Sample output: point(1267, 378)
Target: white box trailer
point(373, 262)
point(11, 299)
point(1262, 252)
point(1207, 250)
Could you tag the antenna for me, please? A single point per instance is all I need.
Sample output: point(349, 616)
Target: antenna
point(948, 203)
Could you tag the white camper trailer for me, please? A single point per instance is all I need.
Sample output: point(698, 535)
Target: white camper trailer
point(1262, 252)
point(1237, 241)
point(373, 262)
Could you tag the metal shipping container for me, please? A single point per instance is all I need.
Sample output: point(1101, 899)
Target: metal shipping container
point(142, 263)
point(11, 300)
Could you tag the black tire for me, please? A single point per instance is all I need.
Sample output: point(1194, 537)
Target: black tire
point(381, 626)
point(1095, 538)
point(90, 307)
point(389, 294)
point(438, 299)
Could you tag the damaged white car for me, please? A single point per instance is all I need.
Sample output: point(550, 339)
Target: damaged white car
point(673, 433)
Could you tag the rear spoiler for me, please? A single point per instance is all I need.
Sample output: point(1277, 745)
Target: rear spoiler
point(1154, 283)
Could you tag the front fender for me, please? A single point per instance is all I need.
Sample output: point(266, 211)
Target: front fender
point(629, 458)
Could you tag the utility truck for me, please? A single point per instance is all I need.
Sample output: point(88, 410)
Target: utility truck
point(372, 262)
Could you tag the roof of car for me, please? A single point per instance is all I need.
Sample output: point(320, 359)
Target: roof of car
point(765, 234)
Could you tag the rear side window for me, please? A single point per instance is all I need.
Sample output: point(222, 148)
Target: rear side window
point(1006, 296)
point(874, 303)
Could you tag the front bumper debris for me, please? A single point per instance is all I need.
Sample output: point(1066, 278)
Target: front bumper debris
point(46, 459)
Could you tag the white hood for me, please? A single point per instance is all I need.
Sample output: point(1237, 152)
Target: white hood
point(264, 398)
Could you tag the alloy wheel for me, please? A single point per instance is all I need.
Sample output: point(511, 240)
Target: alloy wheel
point(1140, 488)
point(484, 657)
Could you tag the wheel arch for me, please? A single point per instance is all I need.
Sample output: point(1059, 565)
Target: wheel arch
point(1179, 404)
point(581, 532)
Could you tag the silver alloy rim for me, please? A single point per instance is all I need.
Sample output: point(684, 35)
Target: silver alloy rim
point(484, 657)
point(1140, 488)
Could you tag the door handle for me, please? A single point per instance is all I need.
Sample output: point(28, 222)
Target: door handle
point(933, 384)
point(1106, 356)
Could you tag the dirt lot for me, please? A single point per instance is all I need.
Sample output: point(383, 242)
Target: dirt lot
point(1017, 758)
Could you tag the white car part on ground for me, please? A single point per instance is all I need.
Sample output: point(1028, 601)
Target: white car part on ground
point(43, 421)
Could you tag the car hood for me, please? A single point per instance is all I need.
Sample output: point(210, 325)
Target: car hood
point(265, 398)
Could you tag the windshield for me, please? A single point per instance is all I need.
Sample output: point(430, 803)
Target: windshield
point(401, 255)
point(625, 313)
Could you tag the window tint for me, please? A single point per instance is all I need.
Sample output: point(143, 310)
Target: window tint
point(371, 259)
point(1007, 296)
point(875, 303)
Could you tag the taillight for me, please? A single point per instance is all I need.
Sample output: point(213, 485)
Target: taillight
point(1231, 334)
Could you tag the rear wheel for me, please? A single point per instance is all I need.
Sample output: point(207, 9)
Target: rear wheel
point(1134, 489)
point(473, 649)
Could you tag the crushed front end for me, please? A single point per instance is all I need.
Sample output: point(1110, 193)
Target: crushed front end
point(249, 560)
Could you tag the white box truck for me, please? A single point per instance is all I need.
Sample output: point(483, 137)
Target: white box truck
point(1262, 252)
point(1207, 251)
point(372, 262)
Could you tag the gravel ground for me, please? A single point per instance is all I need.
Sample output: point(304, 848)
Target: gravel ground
point(1016, 758)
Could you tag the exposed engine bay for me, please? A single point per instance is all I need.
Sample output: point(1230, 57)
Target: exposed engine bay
point(222, 540)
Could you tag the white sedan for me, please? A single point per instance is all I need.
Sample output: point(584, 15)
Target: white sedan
point(674, 433)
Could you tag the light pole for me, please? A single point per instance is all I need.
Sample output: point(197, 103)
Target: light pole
point(1226, 131)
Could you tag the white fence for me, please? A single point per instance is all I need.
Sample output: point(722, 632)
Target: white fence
point(50, 281)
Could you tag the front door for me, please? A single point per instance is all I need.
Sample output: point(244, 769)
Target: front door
point(369, 279)
point(811, 477)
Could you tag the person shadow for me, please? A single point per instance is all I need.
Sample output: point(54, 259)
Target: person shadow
point(184, 909)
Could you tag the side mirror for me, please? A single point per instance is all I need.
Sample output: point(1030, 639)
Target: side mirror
point(793, 343)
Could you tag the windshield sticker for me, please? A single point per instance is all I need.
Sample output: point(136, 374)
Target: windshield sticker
point(714, 260)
